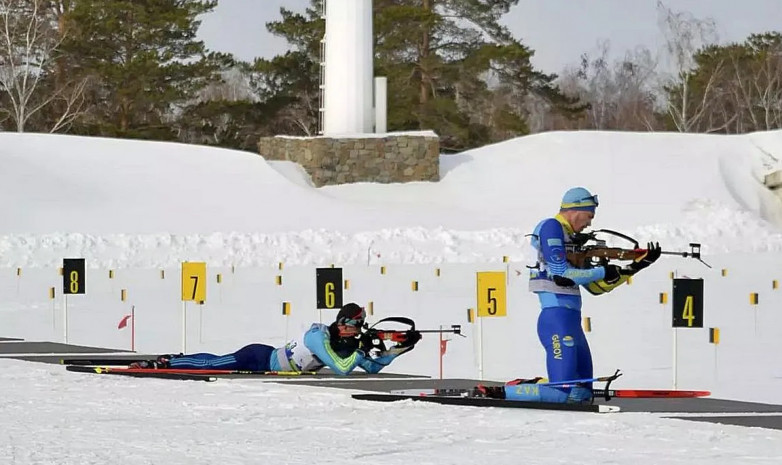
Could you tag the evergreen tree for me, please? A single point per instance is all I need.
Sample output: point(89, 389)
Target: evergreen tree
point(451, 68)
point(146, 63)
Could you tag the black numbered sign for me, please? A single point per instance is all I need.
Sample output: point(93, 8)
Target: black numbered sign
point(329, 287)
point(688, 303)
point(73, 276)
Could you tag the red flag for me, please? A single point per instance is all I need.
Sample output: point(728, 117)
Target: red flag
point(123, 322)
point(443, 346)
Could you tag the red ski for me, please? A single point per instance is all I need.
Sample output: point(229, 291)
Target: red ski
point(650, 393)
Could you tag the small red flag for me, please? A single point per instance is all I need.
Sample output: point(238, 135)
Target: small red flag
point(123, 322)
point(443, 346)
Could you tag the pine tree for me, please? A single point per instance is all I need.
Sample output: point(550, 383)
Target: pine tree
point(451, 68)
point(145, 62)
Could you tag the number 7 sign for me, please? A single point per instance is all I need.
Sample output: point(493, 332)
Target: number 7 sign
point(194, 281)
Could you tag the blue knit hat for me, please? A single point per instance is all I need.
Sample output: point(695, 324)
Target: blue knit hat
point(578, 198)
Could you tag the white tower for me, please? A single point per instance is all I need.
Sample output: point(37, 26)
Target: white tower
point(347, 94)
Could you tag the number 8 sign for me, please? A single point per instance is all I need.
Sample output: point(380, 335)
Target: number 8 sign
point(73, 276)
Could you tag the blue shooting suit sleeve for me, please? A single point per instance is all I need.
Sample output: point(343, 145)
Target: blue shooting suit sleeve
point(373, 365)
point(317, 341)
point(551, 240)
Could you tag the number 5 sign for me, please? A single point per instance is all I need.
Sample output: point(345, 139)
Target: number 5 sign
point(688, 303)
point(491, 294)
point(193, 281)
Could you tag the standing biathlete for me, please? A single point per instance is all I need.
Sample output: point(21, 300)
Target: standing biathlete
point(557, 283)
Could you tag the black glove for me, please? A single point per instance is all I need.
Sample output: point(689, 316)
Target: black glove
point(366, 342)
point(411, 339)
point(652, 254)
point(613, 273)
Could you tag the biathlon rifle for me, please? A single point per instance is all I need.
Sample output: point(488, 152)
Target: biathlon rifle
point(378, 335)
point(587, 251)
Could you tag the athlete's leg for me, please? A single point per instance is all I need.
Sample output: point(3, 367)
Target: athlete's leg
point(555, 329)
point(251, 357)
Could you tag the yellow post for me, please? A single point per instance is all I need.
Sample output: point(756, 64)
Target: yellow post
point(371, 308)
point(753, 298)
point(504, 259)
point(111, 274)
point(286, 308)
point(162, 274)
point(437, 271)
point(123, 294)
point(347, 284)
point(18, 272)
point(278, 280)
point(51, 293)
point(382, 270)
point(714, 335)
point(470, 315)
point(775, 284)
point(587, 324)
point(724, 272)
point(414, 285)
point(219, 278)
point(663, 297)
point(279, 266)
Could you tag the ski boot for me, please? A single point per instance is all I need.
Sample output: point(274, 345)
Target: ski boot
point(160, 362)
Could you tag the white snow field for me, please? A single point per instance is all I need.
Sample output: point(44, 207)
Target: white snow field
point(135, 208)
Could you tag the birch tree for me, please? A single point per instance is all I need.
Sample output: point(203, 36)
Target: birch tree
point(29, 40)
point(684, 36)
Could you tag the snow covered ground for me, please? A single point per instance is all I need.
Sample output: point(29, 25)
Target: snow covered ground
point(137, 208)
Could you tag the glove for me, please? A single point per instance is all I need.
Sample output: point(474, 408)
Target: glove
point(653, 252)
point(366, 342)
point(405, 346)
point(613, 273)
point(412, 338)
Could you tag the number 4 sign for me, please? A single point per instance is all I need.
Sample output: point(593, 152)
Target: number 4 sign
point(688, 303)
point(491, 294)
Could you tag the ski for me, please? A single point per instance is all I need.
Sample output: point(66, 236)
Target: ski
point(488, 402)
point(180, 371)
point(597, 393)
point(142, 374)
point(650, 393)
point(103, 361)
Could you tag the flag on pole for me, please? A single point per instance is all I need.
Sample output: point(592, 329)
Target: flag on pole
point(443, 346)
point(123, 322)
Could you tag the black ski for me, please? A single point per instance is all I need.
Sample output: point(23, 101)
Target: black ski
point(146, 374)
point(488, 402)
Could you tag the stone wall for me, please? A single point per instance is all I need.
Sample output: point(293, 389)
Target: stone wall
point(388, 158)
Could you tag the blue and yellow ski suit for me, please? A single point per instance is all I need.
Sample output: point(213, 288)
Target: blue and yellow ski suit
point(309, 352)
point(557, 284)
